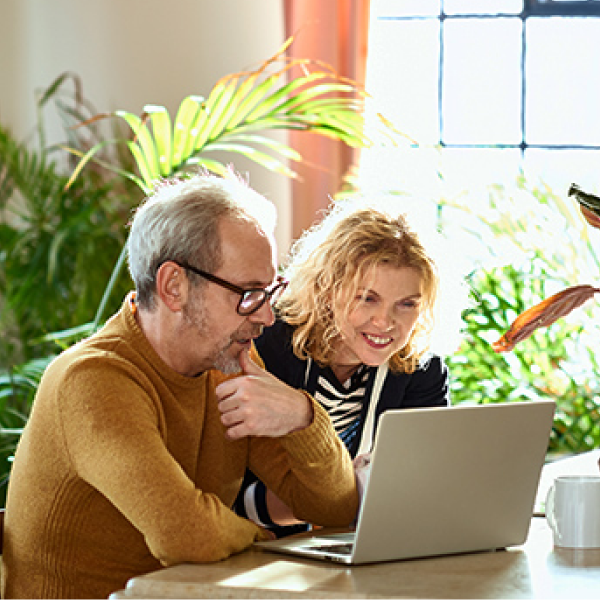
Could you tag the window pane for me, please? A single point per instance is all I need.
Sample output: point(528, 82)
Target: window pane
point(399, 8)
point(402, 74)
point(564, 7)
point(481, 92)
point(467, 173)
point(486, 7)
point(563, 81)
point(404, 170)
point(559, 168)
point(471, 168)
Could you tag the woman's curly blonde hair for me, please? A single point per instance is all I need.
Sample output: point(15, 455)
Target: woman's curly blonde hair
point(326, 267)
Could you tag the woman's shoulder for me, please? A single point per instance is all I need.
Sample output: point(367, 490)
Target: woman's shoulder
point(431, 373)
point(428, 385)
point(430, 365)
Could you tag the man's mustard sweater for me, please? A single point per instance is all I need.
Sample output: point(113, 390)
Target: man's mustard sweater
point(124, 466)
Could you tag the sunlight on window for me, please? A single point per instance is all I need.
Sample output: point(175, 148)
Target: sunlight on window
point(481, 91)
point(403, 8)
point(559, 168)
point(473, 168)
point(501, 98)
point(485, 90)
point(408, 72)
point(563, 81)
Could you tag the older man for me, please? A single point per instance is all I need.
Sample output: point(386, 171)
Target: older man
point(139, 436)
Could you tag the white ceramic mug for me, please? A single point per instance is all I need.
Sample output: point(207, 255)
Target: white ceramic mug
point(573, 511)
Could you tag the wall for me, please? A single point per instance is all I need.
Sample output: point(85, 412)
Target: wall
point(129, 53)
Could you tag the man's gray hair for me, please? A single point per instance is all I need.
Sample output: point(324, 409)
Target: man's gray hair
point(179, 222)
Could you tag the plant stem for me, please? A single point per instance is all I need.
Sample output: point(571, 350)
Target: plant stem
point(109, 288)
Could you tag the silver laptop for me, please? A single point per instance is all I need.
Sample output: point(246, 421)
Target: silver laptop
point(442, 481)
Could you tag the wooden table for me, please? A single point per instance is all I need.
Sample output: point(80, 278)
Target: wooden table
point(533, 570)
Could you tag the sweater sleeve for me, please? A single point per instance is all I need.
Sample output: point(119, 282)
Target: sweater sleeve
point(317, 459)
point(116, 438)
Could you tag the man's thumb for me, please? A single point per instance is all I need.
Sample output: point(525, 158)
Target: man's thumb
point(249, 367)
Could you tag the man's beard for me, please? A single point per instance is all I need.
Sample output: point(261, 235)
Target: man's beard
point(228, 365)
point(195, 316)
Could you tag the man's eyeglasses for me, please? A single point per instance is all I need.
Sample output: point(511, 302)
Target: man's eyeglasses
point(251, 299)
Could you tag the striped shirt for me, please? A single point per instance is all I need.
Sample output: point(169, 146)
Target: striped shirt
point(343, 402)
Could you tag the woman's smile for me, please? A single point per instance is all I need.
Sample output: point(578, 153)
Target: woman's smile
point(377, 341)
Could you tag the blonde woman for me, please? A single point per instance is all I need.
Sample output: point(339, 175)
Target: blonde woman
point(353, 329)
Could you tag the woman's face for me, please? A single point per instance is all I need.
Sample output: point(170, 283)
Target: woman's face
point(382, 317)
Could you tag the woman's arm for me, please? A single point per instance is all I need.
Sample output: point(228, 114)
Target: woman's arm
point(280, 513)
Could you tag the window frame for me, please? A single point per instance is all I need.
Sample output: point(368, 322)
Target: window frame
point(531, 8)
point(562, 8)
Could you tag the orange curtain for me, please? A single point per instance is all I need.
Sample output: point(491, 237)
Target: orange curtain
point(335, 32)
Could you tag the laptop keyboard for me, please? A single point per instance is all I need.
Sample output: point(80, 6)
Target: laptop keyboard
point(343, 549)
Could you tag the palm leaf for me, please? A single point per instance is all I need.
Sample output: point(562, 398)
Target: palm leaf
point(186, 120)
point(161, 127)
point(214, 107)
point(90, 155)
point(248, 95)
point(143, 147)
point(261, 140)
point(318, 101)
point(274, 122)
point(278, 99)
point(257, 156)
point(297, 102)
point(328, 105)
point(208, 163)
point(252, 89)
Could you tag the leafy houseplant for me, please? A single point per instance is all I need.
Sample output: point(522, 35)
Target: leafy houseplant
point(57, 249)
point(234, 117)
point(544, 366)
point(558, 362)
point(561, 303)
point(46, 279)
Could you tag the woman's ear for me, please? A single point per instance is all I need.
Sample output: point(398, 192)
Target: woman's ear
point(172, 285)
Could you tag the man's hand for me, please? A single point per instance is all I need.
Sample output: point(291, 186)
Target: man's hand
point(257, 403)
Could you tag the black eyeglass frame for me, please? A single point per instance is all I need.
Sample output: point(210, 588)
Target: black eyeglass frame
point(267, 294)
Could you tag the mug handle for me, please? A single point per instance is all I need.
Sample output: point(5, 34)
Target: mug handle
point(549, 508)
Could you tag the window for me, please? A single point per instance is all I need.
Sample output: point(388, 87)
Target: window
point(486, 89)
